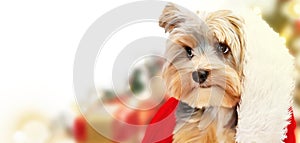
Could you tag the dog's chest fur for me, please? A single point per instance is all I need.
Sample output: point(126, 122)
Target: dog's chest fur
point(207, 125)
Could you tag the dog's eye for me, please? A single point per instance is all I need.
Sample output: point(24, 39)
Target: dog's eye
point(222, 47)
point(189, 52)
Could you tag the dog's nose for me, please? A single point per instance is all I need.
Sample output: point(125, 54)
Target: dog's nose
point(200, 76)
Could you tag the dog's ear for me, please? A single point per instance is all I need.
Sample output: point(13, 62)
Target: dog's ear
point(227, 22)
point(229, 28)
point(171, 17)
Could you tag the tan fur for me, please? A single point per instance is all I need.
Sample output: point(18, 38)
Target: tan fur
point(228, 28)
point(223, 86)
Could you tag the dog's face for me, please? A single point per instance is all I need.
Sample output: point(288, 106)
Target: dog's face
point(204, 55)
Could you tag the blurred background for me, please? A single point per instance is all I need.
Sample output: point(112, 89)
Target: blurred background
point(38, 45)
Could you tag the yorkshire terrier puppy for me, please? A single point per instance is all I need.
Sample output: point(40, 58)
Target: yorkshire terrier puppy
point(204, 71)
point(231, 75)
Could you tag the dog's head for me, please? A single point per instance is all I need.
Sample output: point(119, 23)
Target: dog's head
point(205, 55)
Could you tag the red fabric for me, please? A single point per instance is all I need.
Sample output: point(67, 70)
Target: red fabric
point(291, 138)
point(162, 125)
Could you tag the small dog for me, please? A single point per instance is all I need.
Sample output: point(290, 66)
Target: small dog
point(231, 76)
point(204, 70)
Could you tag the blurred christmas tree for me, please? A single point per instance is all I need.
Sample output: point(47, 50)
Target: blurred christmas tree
point(137, 84)
point(285, 20)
